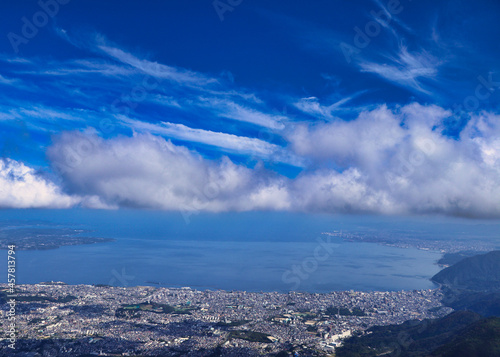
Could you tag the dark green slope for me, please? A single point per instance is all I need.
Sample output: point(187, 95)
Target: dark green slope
point(481, 339)
point(485, 304)
point(473, 284)
point(480, 273)
point(410, 339)
point(472, 287)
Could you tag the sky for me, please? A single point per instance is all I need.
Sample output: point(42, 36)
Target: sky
point(360, 107)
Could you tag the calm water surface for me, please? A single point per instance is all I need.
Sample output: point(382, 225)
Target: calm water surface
point(252, 252)
point(250, 266)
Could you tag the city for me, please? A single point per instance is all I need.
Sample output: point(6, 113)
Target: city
point(149, 321)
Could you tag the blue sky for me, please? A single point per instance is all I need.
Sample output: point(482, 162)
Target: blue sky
point(385, 107)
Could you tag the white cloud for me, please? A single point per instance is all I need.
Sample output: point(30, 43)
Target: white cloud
point(385, 161)
point(312, 106)
point(149, 172)
point(9, 81)
point(347, 192)
point(232, 110)
point(388, 161)
point(406, 70)
point(157, 70)
point(86, 67)
point(228, 142)
point(349, 143)
point(398, 161)
point(22, 187)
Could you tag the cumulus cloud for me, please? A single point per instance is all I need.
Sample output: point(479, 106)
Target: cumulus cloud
point(347, 192)
point(22, 187)
point(398, 161)
point(386, 161)
point(146, 171)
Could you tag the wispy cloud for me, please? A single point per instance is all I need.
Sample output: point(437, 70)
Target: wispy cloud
point(232, 110)
point(388, 18)
point(116, 81)
point(157, 70)
point(388, 57)
point(84, 68)
point(227, 142)
point(405, 70)
point(9, 81)
point(313, 107)
point(45, 117)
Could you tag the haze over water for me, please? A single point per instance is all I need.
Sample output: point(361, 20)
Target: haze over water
point(250, 251)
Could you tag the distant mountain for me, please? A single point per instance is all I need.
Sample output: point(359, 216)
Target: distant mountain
point(479, 273)
point(473, 284)
point(452, 258)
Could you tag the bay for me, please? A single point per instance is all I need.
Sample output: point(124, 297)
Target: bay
point(257, 251)
point(249, 266)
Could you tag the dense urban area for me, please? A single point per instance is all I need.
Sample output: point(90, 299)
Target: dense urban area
point(57, 319)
